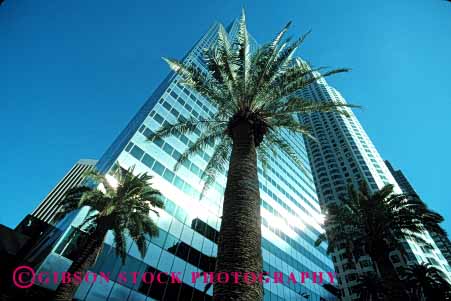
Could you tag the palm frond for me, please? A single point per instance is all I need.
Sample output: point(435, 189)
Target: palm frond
point(216, 164)
point(378, 221)
point(182, 127)
point(298, 105)
point(71, 201)
point(263, 155)
point(120, 243)
point(205, 86)
point(290, 123)
point(263, 60)
point(242, 46)
point(207, 139)
point(275, 140)
point(123, 208)
point(321, 238)
point(297, 84)
point(257, 87)
point(284, 59)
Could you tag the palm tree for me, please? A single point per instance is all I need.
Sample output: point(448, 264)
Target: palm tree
point(426, 282)
point(376, 222)
point(370, 287)
point(256, 106)
point(123, 208)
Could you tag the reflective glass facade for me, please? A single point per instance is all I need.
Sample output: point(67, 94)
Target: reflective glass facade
point(189, 225)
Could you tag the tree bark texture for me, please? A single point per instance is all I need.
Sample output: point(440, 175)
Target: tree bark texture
point(239, 247)
point(86, 258)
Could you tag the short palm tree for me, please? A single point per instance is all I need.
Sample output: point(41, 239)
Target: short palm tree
point(426, 282)
point(256, 106)
point(377, 222)
point(123, 208)
point(370, 287)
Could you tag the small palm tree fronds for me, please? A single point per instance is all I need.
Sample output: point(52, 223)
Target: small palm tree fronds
point(381, 216)
point(426, 282)
point(68, 203)
point(370, 287)
point(378, 222)
point(122, 207)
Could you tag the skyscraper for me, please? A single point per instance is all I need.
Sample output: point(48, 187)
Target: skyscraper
point(187, 243)
point(345, 154)
point(442, 241)
point(401, 179)
point(49, 206)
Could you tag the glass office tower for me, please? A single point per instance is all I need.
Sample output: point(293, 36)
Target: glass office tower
point(291, 216)
point(345, 154)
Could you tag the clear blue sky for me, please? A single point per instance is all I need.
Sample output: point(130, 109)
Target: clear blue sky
point(73, 73)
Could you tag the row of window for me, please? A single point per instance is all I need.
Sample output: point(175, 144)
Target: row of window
point(159, 169)
point(298, 204)
point(167, 174)
point(296, 246)
point(191, 96)
point(297, 288)
point(298, 184)
point(264, 188)
point(197, 171)
point(174, 112)
point(172, 178)
point(171, 151)
point(168, 241)
point(301, 233)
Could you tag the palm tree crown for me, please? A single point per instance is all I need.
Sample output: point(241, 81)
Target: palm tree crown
point(377, 221)
point(370, 287)
point(426, 281)
point(119, 207)
point(121, 204)
point(253, 88)
point(376, 224)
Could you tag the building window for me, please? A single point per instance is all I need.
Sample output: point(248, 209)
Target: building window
point(137, 152)
point(395, 259)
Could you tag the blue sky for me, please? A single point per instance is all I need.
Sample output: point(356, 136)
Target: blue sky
point(72, 74)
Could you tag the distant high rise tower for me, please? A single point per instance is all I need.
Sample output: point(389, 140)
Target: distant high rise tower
point(442, 241)
point(188, 226)
point(50, 205)
point(401, 179)
point(345, 154)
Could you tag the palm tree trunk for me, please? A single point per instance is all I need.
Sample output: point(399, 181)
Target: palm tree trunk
point(81, 264)
point(394, 289)
point(239, 247)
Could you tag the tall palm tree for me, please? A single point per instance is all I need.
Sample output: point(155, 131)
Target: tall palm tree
point(123, 208)
point(426, 282)
point(256, 106)
point(377, 222)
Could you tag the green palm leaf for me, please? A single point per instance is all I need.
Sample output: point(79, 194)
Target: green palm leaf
point(256, 88)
